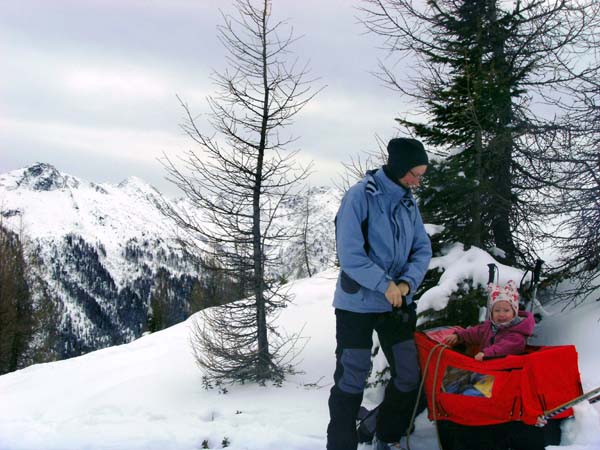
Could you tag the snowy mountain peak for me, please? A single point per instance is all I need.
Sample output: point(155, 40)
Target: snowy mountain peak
point(39, 177)
point(136, 187)
point(134, 184)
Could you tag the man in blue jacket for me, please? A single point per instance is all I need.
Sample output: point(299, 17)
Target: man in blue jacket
point(384, 252)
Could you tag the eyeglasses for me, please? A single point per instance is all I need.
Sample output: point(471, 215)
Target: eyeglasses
point(418, 177)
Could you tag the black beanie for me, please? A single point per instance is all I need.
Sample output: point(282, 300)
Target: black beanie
point(404, 154)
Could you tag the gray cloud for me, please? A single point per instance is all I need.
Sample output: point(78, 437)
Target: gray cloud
point(90, 86)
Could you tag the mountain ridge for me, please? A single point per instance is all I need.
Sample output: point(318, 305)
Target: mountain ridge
point(102, 250)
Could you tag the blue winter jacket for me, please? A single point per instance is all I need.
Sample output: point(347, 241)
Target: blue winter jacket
point(398, 246)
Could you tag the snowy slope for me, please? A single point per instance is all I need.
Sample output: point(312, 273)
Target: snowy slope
point(148, 394)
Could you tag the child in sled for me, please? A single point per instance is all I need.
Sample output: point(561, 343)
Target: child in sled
point(504, 333)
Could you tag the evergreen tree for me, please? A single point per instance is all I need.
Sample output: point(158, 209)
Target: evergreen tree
point(479, 64)
point(16, 309)
point(158, 313)
point(471, 109)
point(197, 300)
point(213, 287)
point(47, 313)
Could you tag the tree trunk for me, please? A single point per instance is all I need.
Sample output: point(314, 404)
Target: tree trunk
point(261, 312)
point(501, 207)
point(502, 149)
point(305, 234)
point(476, 209)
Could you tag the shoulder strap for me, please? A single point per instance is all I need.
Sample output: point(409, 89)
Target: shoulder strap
point(370, 187)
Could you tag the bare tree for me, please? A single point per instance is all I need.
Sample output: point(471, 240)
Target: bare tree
point(239, 181)
point(571, 205)
point(356, 168)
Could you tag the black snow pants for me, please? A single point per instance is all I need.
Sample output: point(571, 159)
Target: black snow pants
point(354, 333)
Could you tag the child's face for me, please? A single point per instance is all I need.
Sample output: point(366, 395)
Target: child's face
point(502, 312)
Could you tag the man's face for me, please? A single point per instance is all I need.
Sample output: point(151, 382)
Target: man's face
point(412, 178)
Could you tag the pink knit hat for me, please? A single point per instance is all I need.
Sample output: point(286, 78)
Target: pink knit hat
point(507, 293)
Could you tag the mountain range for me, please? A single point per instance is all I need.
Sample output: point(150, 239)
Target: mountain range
point(102, 250)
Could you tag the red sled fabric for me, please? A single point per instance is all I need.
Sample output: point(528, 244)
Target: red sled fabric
point(523, 388)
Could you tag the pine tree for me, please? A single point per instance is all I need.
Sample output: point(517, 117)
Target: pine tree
point(471, 107)
point(158, 313)
point(478, 66)
point(16, 308)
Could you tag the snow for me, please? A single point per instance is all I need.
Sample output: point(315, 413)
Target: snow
point(105, 215)
point(148, 394)
point(459, 265)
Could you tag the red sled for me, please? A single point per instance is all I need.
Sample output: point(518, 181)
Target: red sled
point(515, 389)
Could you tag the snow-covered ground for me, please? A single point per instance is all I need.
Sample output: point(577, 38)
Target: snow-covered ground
point(148, 394)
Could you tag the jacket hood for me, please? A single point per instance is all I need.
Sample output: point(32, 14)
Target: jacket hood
point(379, 183)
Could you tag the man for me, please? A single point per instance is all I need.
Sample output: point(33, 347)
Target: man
point(384, 252)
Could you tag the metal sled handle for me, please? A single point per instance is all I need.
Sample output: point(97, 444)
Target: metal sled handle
point(537, 270)
point(492, 272)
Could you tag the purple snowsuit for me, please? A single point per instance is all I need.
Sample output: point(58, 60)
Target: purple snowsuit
point(507, 341)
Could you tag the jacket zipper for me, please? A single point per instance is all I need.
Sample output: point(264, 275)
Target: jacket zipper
point(396, 259)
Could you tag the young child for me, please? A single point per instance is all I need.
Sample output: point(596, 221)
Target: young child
point(507, 330)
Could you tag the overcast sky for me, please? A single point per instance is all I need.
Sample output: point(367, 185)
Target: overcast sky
point(90, 85)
